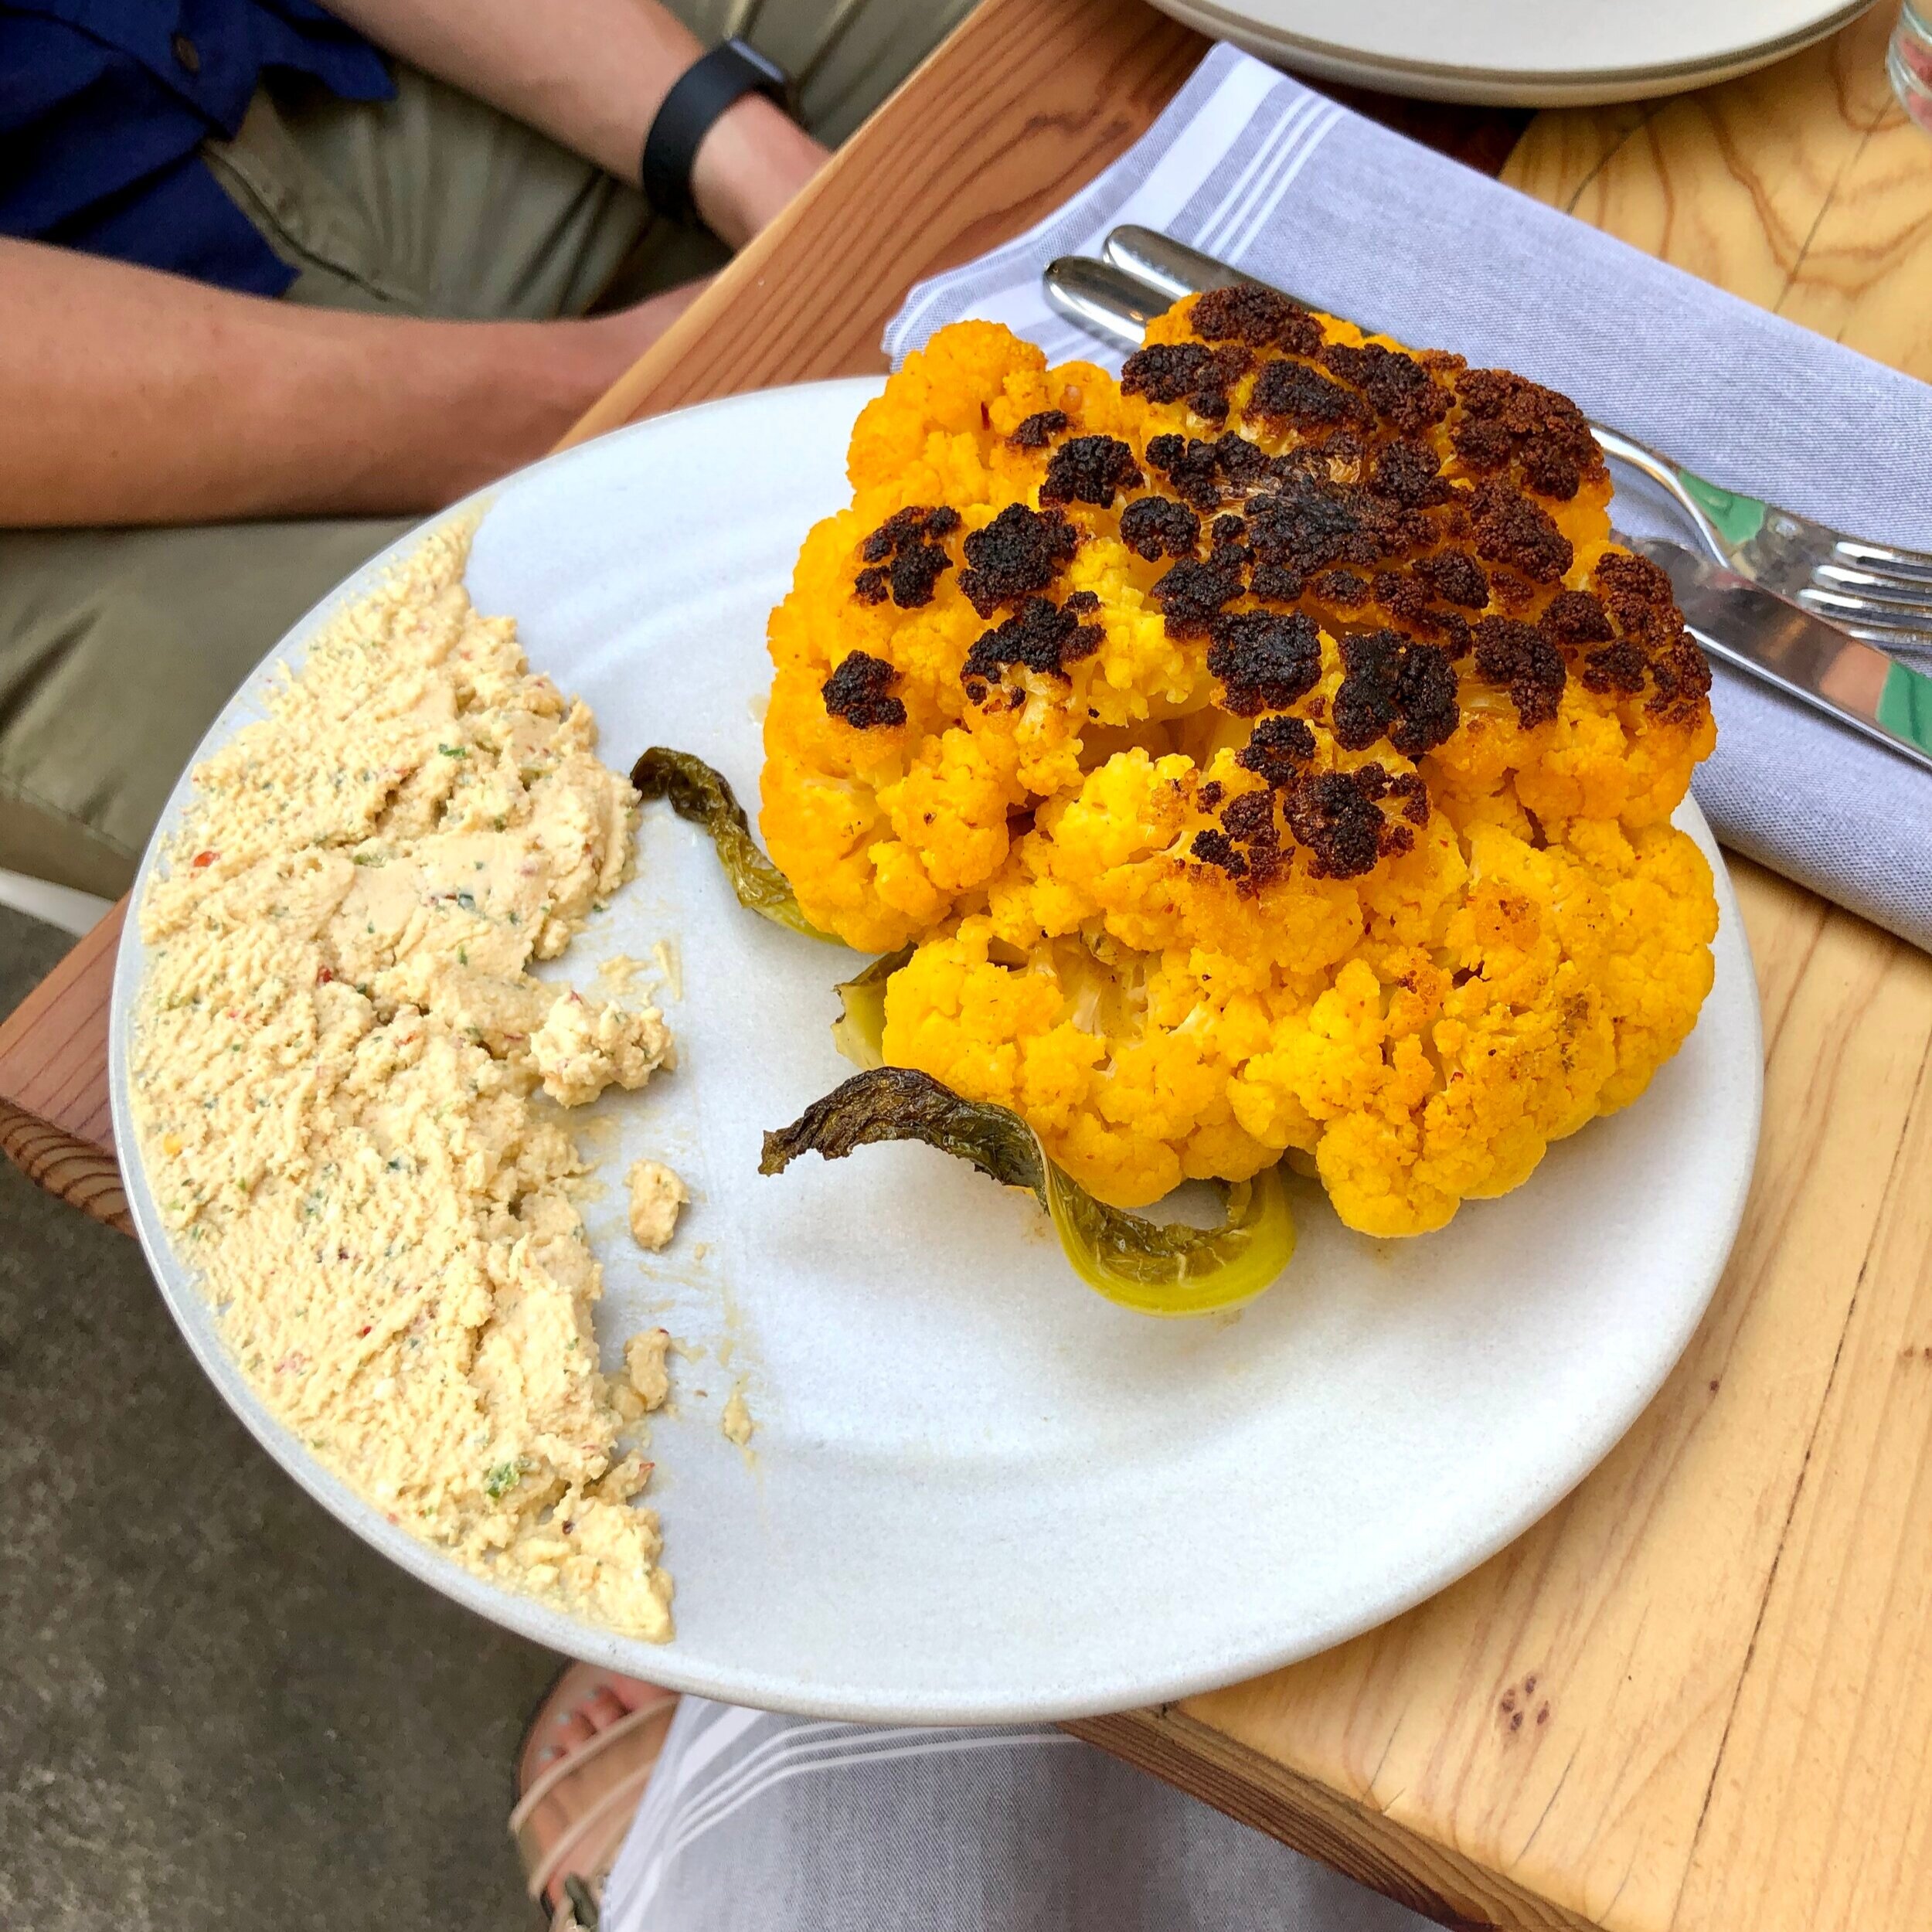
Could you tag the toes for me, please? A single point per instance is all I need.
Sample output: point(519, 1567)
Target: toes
point(631, 1692)
point(587, 1701)
point(601, 1708)
point(563, 1735)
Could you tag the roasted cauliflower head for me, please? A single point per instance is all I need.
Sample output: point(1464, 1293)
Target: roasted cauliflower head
point(1267, 754)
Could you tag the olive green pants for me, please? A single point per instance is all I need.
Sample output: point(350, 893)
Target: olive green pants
point(118, 647)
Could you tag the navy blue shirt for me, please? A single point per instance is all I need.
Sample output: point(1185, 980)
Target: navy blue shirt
point(104, 105)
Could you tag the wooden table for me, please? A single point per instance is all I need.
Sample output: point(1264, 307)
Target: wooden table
point(1698, 1696)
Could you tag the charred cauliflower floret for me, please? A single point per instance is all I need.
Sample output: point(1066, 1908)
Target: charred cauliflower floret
point(1267, 754)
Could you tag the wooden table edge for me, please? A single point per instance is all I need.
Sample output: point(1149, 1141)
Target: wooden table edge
point(83, 1173)
point(1354, 1838)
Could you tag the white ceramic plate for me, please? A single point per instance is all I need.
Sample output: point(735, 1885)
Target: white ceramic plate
point(978, 1491)
point(1531, 53)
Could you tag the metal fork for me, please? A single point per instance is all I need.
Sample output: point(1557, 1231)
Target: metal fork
point(1876, 591)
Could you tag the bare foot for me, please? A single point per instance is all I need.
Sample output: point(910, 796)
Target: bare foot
point(582, 1701)
point(585, 1763)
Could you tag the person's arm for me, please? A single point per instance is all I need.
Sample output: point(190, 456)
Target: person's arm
point(128, 396)
point(592, 75)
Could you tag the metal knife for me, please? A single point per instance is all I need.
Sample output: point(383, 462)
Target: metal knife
point(1744, 624)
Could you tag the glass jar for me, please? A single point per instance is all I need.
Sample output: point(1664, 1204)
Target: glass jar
point(1909, 62)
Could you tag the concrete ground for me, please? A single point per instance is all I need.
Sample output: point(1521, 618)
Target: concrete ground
point(217, 1708)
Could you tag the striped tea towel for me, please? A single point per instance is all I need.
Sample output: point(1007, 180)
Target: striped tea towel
point(754, 1820)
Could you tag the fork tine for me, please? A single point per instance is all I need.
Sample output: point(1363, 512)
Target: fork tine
point(1884, 560)
point(1911, 592)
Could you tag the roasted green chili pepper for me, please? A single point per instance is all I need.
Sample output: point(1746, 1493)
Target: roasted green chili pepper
point(1167, 1269)
point(704, 795)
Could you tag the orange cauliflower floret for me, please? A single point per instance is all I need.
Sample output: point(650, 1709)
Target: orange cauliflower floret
point(1267, 754)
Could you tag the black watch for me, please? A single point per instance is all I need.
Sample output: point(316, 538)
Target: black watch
point(712, 83)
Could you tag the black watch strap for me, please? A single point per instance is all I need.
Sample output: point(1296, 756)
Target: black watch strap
point(712, 83)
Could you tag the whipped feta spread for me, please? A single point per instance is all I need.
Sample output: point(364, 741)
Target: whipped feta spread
point(347, 1083)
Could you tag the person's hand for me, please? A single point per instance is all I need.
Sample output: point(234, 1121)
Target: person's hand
point(623, 335)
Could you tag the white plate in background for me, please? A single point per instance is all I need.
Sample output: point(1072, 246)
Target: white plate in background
point(1528, 53)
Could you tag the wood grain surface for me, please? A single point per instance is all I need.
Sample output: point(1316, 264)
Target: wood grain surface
point(1697, 1697)
point(1803, 187)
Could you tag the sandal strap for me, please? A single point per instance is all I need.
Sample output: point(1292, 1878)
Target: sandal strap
point(597, 1833)
point(585, 1754)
